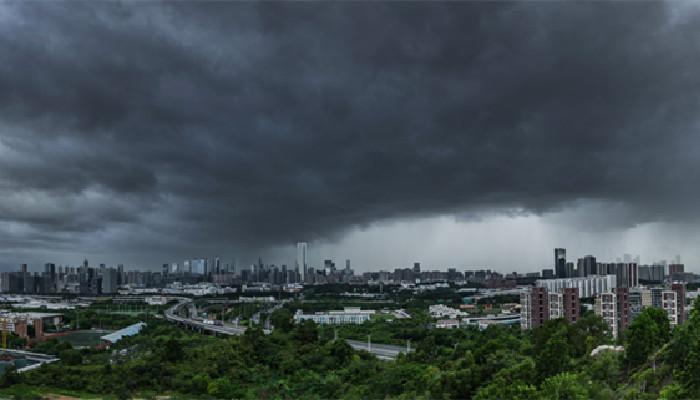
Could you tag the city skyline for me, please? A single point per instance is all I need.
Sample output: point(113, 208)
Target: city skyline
point(199, 263)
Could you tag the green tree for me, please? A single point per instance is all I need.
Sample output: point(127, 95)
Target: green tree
point(499, 389)
point(565, 386)
point(71, 357)
point(684, 354)
point(282, 319)
point(552, 351)
point(222, 388)
point(9, 377)
point(649, 331)
point(306, 332)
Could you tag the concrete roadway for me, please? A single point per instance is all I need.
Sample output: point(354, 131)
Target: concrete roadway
point(381, 351)
point(226, 329)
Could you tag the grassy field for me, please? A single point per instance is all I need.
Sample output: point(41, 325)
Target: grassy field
point(89, 338)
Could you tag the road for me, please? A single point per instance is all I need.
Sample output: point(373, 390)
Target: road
point(382, 351)
point(225, 329)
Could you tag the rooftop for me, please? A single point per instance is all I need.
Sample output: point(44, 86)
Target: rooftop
point(130, 330)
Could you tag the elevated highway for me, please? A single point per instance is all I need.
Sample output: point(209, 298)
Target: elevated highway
point(172, 315)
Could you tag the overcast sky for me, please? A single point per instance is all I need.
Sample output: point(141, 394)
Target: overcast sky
point(456, 134)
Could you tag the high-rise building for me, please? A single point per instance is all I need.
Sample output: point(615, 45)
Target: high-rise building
point(570, 271)
point(534, 309)
point(109, 281)
point(301, 262)
point(50, 269)
point(564, 304)
point(547, 273)
point(606, 308)
point(328, 267)
point(587, 287)
point(635, 303)
point(615, 308)
point(652, 297)
point(670, 302)
point(676, 271)
point(652, 273)
point(679, 288)
point(560, 263)
point(623, 308)
point(198, 266)
point(627, 273)
point(216, 267)
point(587, 266)
point(539, 305)
point(120, 274)
point(416, 269)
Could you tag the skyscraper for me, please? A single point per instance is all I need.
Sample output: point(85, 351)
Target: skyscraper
point(587, 266)
point(301, 262)
point(198, 266)
point(109, 281)
point(560, 262)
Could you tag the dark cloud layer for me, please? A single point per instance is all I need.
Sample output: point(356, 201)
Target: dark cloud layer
point(188, 127)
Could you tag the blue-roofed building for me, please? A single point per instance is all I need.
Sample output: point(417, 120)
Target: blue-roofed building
point(116, 336)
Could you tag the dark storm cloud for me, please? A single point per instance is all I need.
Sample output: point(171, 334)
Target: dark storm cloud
point(206, 125)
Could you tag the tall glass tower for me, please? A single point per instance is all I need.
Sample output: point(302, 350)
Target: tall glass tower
point(560, 263)
point(301, 262)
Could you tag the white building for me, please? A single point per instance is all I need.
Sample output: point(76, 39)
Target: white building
point(556, 305)
point(447, 324)
point(442, 311)
point(349, 315)
point(606, 308)
point(526, 310)
point(670, 305)
point(156, 300)
point(588, 286)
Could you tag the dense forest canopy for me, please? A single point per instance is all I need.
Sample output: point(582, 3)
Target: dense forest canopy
point(308, 361)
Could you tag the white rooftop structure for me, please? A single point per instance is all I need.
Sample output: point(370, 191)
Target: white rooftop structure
point(130, 330)
point(606, 347)
point(349, 315)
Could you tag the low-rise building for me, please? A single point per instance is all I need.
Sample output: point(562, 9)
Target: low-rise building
point(447, 324)
point(443, 311)
point(156, 300)
point(349, 315)
point(116, 336)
